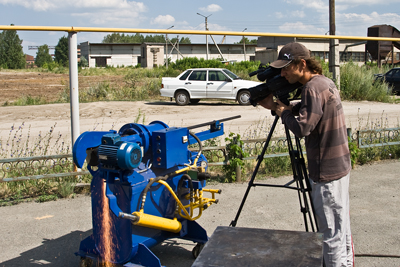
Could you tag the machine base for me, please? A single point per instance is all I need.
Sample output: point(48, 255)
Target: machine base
point(235, 246)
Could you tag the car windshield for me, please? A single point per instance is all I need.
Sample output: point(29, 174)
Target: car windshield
point(231, 74)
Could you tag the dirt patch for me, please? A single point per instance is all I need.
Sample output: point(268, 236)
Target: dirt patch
point(48, 86)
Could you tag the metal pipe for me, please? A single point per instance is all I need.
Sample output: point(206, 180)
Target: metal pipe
point(191, 32)
point(73, 85)
point(128, 216)
point(155, 222)
point(213, 122)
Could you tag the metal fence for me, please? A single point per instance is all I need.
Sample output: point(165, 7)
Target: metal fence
point(55, 166)
point(41, 167)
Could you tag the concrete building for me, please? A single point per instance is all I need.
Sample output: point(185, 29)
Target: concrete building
point(349, 50)
point(149, 55)
point(101, 55)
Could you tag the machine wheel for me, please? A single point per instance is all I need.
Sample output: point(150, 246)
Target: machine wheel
point(244, 97)
point(197, 249)
point(182, 98)
point(194, 101)
point(85, 262)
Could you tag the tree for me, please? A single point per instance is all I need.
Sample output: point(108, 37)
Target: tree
point(138, 39)
point(43, 56)
point(61, 51)
point(11, 53)
point(181, 41)
point(83, 62)
point(247, 41)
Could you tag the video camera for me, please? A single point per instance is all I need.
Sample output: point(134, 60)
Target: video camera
point(274, 84)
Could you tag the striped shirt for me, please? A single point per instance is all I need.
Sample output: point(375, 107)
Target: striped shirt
point(321, 121)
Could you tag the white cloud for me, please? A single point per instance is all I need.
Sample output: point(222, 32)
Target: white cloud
point(366, 20)
point(279, 15)
point(112, 17)
point(317, 5)
point(366, 2)
point(46, 5)
point(211, 8)
point(216, 27)
point(298, 14)
point(300, 28)
point(353, 24)
point(163, 20)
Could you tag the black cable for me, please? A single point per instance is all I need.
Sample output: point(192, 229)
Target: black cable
point(376, 255)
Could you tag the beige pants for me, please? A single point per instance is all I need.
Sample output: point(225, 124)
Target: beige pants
point(331, 204)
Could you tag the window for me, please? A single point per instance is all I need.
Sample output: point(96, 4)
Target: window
point(352, 56)
point(216, 76)
point(393, 73)
point(101, 62)
point(198, 75)
point(320, 55)
point(185, 75)
point(231, 74)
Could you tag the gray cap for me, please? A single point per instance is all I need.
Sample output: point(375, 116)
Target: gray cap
point(290, 52)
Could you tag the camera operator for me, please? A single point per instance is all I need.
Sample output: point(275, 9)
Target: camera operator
point(320, 119)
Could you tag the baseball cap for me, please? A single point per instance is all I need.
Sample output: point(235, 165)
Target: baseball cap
point(290, 52)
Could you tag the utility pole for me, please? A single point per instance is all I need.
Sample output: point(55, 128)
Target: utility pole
point(244, 45)
point(177, 54)
point(206, 34)
point(334, 64)
point(166, 47)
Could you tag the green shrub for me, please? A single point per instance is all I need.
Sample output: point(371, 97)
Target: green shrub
point(357, 83)
point(235, 156)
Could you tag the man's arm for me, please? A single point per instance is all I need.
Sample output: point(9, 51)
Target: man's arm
point(310, 113)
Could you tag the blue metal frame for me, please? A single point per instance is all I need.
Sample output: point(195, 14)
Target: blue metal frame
point(124, 189)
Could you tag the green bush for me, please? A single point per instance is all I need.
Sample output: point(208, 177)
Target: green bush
point(357, 83)
point(235, 156)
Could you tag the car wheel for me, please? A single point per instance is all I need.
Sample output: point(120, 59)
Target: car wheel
point(194, 101)
point(244, 97)
point(182, 98)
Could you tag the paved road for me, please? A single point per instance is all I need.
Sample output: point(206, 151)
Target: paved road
point(34, 234)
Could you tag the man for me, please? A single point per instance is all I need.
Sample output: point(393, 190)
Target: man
point(321, 121)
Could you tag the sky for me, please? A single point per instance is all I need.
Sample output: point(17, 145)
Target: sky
point(353, 17)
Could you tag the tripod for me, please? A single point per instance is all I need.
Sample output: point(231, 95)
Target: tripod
point(300, 178)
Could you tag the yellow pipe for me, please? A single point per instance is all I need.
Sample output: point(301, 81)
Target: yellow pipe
point(156, 222)
point(161, 31)
point(187, 216)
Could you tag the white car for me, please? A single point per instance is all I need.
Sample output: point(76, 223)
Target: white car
point(195, 84)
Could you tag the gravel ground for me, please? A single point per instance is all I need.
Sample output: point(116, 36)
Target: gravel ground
point(49, 233)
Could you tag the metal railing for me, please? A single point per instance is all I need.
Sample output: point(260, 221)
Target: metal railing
point(40, 167)
point(56, 166)
point(378, 137)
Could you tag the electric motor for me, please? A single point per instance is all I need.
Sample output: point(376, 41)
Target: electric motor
point(116, 154)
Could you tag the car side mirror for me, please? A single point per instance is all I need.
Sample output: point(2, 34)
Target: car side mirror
point(228, 80)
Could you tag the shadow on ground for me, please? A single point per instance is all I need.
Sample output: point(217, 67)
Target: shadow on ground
point(60, 252)
point(52, 252)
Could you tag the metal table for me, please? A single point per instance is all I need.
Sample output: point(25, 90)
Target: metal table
point(236, 246)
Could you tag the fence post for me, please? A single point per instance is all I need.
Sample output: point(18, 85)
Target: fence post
point(238, 174)
point(349, 134)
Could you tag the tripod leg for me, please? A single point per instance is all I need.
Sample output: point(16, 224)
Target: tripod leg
point(299, 175)
point(308, 187)
point(259, 161)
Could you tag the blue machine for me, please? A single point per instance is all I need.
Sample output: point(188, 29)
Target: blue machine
point(147, 187)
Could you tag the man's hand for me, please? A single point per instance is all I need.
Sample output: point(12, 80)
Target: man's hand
point(280, 107)
point(268, 102)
